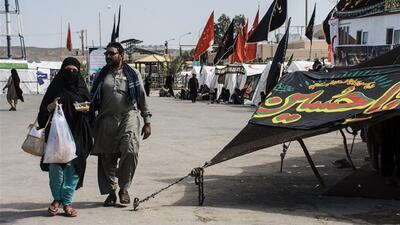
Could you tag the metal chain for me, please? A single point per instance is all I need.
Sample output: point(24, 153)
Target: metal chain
point(283, 154)
point(196, 172)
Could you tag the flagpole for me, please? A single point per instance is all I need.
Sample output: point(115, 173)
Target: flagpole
point(309, 56)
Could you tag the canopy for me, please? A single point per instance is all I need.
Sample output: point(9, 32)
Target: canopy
point(154, 59)
point(305, 104)
point(300, 66)
point(207, 76)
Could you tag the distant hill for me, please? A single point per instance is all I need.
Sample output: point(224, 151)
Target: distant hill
point(41, 54)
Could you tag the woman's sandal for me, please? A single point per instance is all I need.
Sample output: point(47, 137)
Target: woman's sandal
point(70, 211)
point(53, 208)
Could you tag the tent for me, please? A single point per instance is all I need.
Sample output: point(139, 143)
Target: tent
point(306, 104)
point(300, 66)
point(35, 76)
point(256, 78)
point(29, 80)
point(196, 70)
point(207, 75)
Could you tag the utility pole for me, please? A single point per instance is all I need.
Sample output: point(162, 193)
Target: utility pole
point(86, 49)
point(306, 13)
point(82, 41)
point(166, 47)
point(99, 30)
point(8, 29)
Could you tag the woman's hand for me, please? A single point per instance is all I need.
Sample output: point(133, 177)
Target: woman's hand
point(52, 105)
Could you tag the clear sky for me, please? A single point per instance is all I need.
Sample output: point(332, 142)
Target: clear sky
point(152, 21)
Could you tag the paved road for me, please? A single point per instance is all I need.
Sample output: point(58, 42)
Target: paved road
point(246, 190)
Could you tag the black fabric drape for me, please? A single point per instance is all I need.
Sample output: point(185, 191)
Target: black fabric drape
point(16, 81)
point(70, 88)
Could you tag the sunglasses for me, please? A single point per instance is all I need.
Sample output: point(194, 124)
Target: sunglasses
point(110, 53)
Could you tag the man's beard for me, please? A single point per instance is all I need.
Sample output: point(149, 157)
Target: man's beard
point(112, 63)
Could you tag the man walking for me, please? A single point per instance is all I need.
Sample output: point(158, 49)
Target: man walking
point(147, 84)
point(193, 86)
point(169, 82)
point(117, 96)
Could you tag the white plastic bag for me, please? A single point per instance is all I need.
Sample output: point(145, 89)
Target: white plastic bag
point(60, 146)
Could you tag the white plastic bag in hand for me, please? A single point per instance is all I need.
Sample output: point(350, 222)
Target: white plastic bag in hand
point(60, 146)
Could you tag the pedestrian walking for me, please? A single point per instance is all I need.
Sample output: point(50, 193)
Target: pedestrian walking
point(67, 88)
point(118, 97)
point(193, 87)
point(14, 91)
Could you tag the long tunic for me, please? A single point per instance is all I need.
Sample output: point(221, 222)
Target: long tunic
point(11, 91)
point(117, 116)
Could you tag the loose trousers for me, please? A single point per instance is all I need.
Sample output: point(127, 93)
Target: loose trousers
point(109, 169)
point(63, 181)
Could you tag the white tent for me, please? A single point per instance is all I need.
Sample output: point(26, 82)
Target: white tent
point(207, 75)
point(251, 69)
point(29, 82)
point(196, 70)
point(261, 85)
point(29, 75)
point(183, 78)
point(300, 66)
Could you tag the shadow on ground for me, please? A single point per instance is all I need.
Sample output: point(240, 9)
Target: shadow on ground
point(295, 191)
point(25, 210)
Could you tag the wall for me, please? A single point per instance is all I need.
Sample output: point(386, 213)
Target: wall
point(375, 25)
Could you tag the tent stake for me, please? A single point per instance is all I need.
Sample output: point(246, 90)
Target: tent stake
point(316, 173)
point(347, 150)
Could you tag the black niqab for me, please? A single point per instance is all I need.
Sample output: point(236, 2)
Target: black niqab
point(71, 88)
point(16, 81)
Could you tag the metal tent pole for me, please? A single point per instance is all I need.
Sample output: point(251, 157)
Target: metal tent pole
point(316, 173)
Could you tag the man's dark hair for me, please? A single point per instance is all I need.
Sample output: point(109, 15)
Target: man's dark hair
point(116, 45)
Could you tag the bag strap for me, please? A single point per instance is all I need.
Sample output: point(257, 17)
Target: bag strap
point(47, 123)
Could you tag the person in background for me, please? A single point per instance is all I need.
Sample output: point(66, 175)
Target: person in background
point(67, 87)
point(169, 82)
point(147, 84)
point(14, 92)
point(193, 87)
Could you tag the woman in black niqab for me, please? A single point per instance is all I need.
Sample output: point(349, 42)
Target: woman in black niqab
point(67, 88)
point(14, 91)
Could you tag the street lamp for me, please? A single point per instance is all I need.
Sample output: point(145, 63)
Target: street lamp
point(166, 44)
point(180, 37)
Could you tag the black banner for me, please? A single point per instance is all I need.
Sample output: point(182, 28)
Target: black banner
point(308, 100)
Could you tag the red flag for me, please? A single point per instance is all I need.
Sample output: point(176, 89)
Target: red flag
point(251, 48)
point(239, 54)
point(330, 53)
point(206, 39)
point(69, 39)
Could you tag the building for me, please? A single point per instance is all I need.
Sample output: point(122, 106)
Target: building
point(298, 45)
point(363, 29)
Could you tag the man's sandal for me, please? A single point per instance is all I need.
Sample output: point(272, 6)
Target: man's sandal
point(70, 211)
point(53, 208)
point(111, 200)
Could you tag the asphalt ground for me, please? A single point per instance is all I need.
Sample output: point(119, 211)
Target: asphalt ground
point(246, 190)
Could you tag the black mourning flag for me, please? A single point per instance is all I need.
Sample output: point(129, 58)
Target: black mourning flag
point(326, 27)
point(113, 32)
point(119, 20)
point(226, 47)
point(279, 58)
point(310, 27)
point(272, 20)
